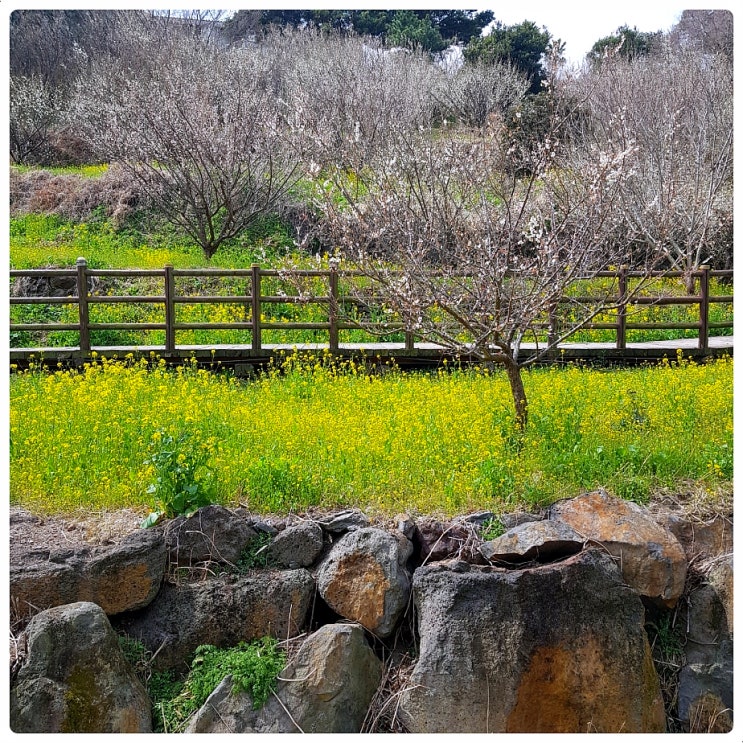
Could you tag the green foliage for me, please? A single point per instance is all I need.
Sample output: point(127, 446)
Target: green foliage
point(432, 29)
point(137, 655)
point(87, 171)
point(407, 30)
point(629, 43)
point(496, 479)
point(521, 45)
point(253, 668)
point(183, 480)
point(255, 555)
point(492, 529)
point(164, 689)
point(281, 483)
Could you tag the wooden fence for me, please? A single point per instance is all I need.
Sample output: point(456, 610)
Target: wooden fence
point(81, 278)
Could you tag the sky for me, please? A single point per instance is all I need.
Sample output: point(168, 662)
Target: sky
point(581, 24)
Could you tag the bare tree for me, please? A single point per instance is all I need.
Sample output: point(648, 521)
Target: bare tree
point(345, 91)
point(473, 256)
point(34, 113)
point(677, 109)
point(710, 31)
point(478, 94)
point(199, 129)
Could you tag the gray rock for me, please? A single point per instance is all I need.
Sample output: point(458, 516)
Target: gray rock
point(405, 524)
point(117, 578)
point(226, 711)
point(221, 611)
point(264, 528)
point(344, 521)
point(436, 540)
point(332, 681)
point(212, 534)
point(699, 538)
point(705, 693)
point(510, 520)
point(74, 677)
point(536, 540)
point(328, 688)
point(652, 560)
point(297, 546)
point(363, 578)
point(554, 648)
point(479, 519)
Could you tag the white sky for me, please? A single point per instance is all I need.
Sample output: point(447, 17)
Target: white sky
point(581, 24)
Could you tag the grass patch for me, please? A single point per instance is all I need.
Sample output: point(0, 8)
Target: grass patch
point(313, 432)
point(86, 171)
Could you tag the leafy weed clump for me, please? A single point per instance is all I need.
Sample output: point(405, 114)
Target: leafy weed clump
point(492, 529)
point(255, 555)
point(183, 480)
point(253, 668)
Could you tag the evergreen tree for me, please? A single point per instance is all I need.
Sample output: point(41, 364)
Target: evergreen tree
point(629, 43)
point(522, 45)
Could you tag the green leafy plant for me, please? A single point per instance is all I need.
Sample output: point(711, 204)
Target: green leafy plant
point(162, 686)
point(163, 689)
point(255, 555)
point(253, 668)
point(492, 529)
point(183, 481)
point(137, 655)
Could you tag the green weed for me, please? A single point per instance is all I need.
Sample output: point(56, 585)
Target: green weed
point(492, 529)
point(183, 479)
point(255, 555)
point(253, 668)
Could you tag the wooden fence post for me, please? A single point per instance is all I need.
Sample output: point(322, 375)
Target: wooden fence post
point(255, 305)
point(169, 309)
point(333, 308)
point(82, 304)
point(704, 308)
point(409, 340)
point(622, 309)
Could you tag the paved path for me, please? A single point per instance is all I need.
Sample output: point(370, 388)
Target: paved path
point(424, 354)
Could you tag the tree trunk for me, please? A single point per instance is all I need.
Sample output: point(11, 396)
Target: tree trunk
point(690, 282)
point(520, 405)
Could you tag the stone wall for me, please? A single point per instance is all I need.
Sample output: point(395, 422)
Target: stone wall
point(411, 624)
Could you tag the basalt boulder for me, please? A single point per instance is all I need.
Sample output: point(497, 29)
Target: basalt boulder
point(221, 611)
point(297, 546)
point(651, 558)
point(120, 577)
point(553, 648)
point(364, 578)
point(541, 541)
point(74, 678)
point(212, 534)
point(326, 688)
point(705, 692)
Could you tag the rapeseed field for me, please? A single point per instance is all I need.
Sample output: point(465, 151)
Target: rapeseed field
point(313, 432)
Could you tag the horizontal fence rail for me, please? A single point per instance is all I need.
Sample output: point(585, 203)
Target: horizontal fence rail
point(81, 282)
